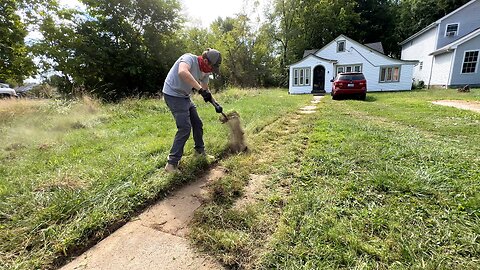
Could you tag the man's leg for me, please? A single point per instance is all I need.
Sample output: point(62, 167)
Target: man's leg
point(180, 110)
point(197, 127)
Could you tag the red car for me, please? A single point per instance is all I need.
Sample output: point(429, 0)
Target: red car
point(349, 84)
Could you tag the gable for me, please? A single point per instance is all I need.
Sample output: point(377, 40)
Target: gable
point(464, 22)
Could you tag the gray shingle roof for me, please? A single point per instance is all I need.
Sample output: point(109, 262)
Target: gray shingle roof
point(377, 46)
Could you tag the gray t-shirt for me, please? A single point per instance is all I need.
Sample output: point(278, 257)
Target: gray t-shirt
point(175, 86)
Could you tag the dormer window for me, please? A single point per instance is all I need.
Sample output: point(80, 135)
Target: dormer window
point(341, 46)
point(452, 29)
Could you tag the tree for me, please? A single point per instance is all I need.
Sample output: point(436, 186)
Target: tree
point(414, 15)
point(323, 21)
point(115, 48)
point(15, 63)
point(284, 27)
point(377, 23)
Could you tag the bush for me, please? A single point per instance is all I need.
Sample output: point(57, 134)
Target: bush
point(43, 91)
point(418, 85)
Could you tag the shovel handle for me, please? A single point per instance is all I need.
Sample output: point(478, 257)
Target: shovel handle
point(217, 107)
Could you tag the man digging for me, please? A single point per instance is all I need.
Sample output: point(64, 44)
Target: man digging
point(190, 72)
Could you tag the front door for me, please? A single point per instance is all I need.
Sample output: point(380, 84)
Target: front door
point(318, 80)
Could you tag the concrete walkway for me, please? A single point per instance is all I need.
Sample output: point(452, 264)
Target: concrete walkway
point(156, 238)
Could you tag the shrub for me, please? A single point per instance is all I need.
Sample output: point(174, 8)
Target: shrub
point(418, 85)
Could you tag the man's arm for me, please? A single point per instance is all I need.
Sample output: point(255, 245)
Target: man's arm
point(185, 75)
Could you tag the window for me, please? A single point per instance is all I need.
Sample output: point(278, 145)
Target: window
point(470, 62)
point(421, 66)
point(350, 68)
point(390, 74)
point(451, 30)
point(301, 76)
point(341, 46)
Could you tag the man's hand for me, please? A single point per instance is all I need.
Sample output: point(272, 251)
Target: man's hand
point(207, 96)
point(218, 109)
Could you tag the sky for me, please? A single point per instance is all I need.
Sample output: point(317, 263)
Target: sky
point(205, 11)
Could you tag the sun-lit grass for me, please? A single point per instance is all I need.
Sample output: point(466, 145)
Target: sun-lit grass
point(387, 183)
point(70, 170)
point(390, 183)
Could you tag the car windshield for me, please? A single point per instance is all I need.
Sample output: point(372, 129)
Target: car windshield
point(350, 77)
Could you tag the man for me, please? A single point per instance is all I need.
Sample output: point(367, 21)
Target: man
point(189, 73)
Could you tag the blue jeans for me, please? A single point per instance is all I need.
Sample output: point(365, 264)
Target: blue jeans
point(186, 118)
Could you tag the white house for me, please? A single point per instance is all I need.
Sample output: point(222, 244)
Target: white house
point(313, 73)
point(448, 49)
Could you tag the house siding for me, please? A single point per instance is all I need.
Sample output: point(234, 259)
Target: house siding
point(418, 49)
point(441, 69)
point(468, 20)
point(310, 62)
point(459, 79)
point(371, 63)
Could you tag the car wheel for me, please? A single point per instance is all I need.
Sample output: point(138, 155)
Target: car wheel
point(334, 97)
point(363, 96)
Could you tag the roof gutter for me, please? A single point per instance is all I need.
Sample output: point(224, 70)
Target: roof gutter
point(442, 51)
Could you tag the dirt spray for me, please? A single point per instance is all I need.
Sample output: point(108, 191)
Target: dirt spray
point(237, 135)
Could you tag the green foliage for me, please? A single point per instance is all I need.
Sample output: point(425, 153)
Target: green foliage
point(114, 49)
point(296, 26)
point(247, 58)
point(15, 63)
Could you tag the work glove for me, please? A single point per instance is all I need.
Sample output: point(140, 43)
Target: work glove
point(218, 109)
point(207, 96)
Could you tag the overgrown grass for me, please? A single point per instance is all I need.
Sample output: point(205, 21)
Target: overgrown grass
point(390, 183)
point(69, 171)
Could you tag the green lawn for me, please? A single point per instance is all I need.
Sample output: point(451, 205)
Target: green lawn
point(70, 171)
point(392, 182)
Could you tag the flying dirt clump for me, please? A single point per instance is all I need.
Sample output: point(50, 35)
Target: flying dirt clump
point(237, 135)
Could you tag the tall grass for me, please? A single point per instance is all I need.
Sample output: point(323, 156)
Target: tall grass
point(69, 171)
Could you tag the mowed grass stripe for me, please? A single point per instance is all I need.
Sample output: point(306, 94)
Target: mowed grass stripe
point(377, 190)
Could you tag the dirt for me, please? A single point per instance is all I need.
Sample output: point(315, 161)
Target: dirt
point(252, 190)
point(257, 183)
point(460, 104)
point(236, 142)
point(156, 238)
